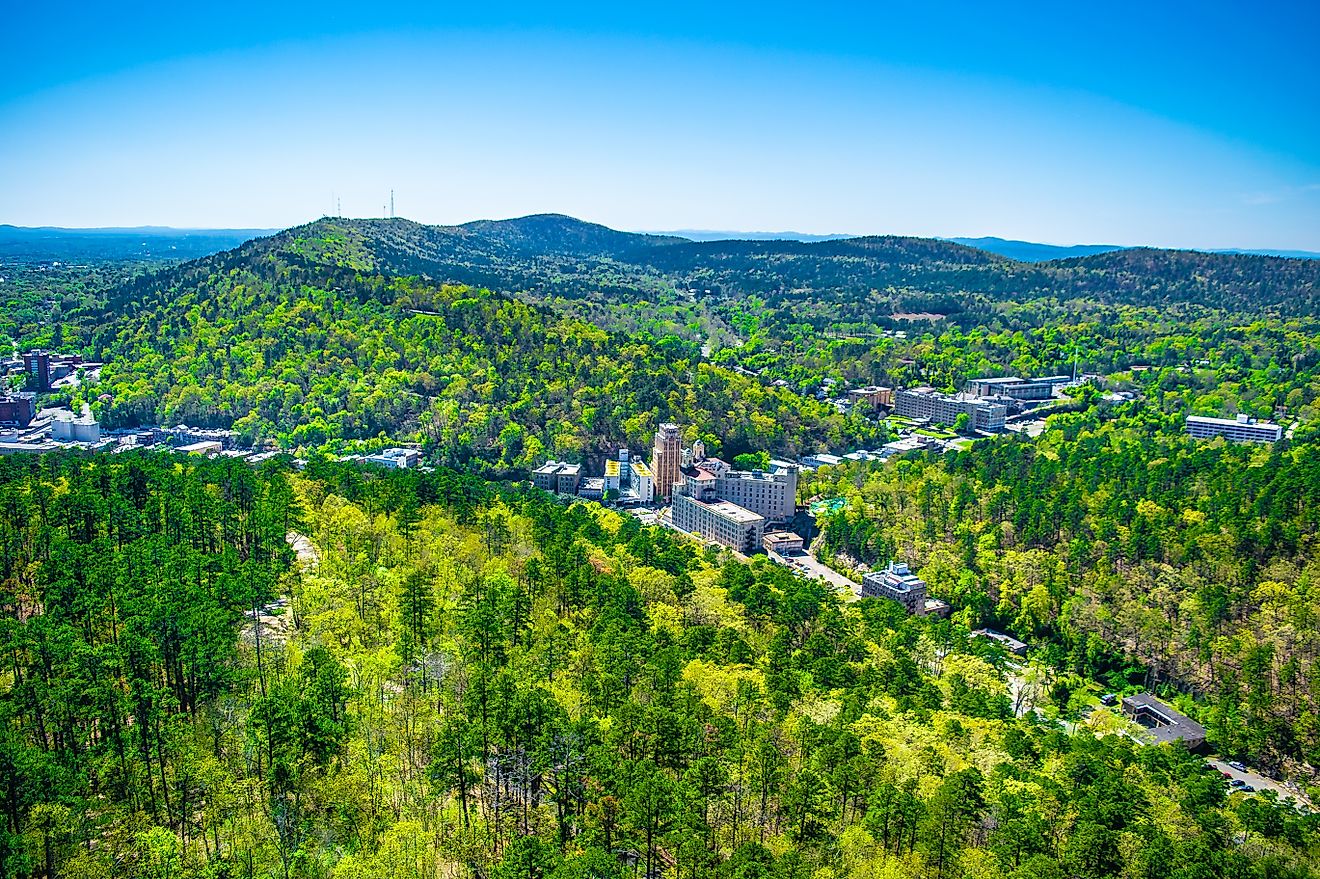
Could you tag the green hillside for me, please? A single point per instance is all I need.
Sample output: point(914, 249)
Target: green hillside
point(301, 338)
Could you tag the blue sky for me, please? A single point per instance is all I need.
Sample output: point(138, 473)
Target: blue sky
point(1191, 125)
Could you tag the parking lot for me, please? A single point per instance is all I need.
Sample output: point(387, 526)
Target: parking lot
point(808, 566)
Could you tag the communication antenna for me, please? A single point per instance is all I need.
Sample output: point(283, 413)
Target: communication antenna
point(391, 204)
point(339, 211)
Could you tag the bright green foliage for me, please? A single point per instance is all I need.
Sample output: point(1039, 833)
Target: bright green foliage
point(1130, 553)
point(481, 683)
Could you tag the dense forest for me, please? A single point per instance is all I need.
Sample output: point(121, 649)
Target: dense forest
point(1129, 555)
point(453, 680)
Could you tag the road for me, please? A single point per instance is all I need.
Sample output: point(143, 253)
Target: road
point(1260, 782)
point(808, 566)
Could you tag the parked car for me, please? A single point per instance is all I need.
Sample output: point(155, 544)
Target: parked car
point(1237, 783)
point(1238, 766)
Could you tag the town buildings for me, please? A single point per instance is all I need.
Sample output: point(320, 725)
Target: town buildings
point(1239, 430)
point(183, 435)
point(36, 366)
point(1008, 642)
point(717, 521)
point(899, 584)
point(771, 494)
point(782, 542)
point(44, 369)
point(930, 404)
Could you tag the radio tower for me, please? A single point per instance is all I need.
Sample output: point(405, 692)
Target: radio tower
point(391, 204)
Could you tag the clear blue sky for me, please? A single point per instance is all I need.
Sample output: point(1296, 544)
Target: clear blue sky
point(1174, 124)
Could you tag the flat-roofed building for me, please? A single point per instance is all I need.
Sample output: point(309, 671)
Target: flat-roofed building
point(874, 396)
point(612, 470)
point(205, 447)
point(782, 542)
point(1008, 642)
point(400, 458)
point(642, 483)
point(36, 366)
point(1017, 388)
point(568, 477)
point(17, 410)
point(940, 408)
point(70, 428)
point(8, 448)
point(1239, 430)
point(772, 494)
point(1162, 724)
point(591, 488)
point(558, 477)
point(899, 584)
point(718, 522)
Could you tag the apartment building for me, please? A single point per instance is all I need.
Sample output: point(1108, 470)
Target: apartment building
point(940, 408)
point(1242, 429)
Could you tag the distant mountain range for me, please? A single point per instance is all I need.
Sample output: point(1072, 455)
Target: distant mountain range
point(1030, 251)
point(163, 242)
point(141, 242)
point(714, 235)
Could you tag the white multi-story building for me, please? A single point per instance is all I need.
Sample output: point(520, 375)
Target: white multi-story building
point(641, 483)
point(941, 408)
point(1240, 430)
point(899, 584)
point(718, 522)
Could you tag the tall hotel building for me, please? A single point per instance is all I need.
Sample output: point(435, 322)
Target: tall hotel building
point(666, 456)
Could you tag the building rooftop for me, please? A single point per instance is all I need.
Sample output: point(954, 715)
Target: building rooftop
point(897, 577)
point(639, 467)
point(1162, 723)
point(1013, 644)
point(1241, 420)
point(733, 511)
point(611, 467)
point(1003, 380)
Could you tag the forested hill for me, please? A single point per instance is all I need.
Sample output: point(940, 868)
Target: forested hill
point(551, 257)
point(310, 337)
point(558, 256)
